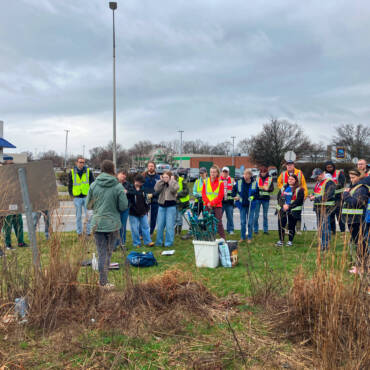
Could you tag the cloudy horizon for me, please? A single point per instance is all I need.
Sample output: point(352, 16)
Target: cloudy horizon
point(212, 68)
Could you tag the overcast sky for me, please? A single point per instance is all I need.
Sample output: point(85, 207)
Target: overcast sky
point(212, 68)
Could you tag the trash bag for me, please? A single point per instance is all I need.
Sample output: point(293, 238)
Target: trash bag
point(138, 259)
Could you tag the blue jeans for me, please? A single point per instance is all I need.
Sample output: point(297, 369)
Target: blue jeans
point(323, 229)
point(122, 231)
point(166, 219)
point(137, 224)
point(153, 216)
point(36, 218)
point(178, 217)
point(243, 221)
point(80, 203)
point(265, 206)
point(229, 209)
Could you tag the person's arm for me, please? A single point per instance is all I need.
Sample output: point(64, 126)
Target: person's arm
point(122, 199)
point(359, 201)
point(329, 192)
point(174, 186)
point(89, 199)
point(185, 190)
point(70, 184)
point(91, 177)
point(304, 185)
point(204, 194)
point(271, 187)
point(195, 194)
point(234, 192)
point(280, 181)
point(158, 187)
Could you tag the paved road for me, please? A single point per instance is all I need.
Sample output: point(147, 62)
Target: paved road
point(64, 218)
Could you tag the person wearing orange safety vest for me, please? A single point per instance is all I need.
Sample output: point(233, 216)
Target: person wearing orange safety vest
point(324, 203)
point(338, 177)
point(228, 201)
point(212, 195)
point(362, 166)
point(79, 181)
point(291, 170)
point(265, 187)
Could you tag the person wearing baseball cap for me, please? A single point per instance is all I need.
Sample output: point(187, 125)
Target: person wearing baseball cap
point(197, 189)
point(228, 201)
point(324, 203)
point(291, 170)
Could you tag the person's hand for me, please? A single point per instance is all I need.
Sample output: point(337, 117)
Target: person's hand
point(236, 198)
point(150, 196)
point(312, 197)
point(285, 207)
point(209, 205)
point(125, 190)
point(347, 190)
point(251, 198)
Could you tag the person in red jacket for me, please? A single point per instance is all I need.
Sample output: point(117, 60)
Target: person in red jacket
point(212, 195)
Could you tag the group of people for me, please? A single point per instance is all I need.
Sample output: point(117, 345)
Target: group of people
point(157, 202)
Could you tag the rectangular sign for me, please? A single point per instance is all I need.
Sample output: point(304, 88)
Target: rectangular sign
point(341, 153)
point(41, 183)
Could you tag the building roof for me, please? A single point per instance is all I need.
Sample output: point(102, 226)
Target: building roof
point(5, 144)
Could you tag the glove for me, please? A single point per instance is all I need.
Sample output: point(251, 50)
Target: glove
point(251, 198)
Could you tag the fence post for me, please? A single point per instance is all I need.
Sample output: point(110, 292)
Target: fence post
point(28, 210)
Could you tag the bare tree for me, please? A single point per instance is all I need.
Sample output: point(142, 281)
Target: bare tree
point(277, 137)
point(355, 138)
point(98, 154)
point(54, 157)
point(317, 152)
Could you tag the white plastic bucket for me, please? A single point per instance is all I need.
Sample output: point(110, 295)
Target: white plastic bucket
point(206, 253)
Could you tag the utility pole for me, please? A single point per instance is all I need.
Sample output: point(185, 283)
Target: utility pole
point(233, 137)
point(113, 6)
point(65, 154)
point(83, 151)
point(181, 132)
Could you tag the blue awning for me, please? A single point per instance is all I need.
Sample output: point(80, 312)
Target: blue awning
point(5, 144)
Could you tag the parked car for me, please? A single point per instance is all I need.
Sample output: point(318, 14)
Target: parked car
point(132, 170)
point(255, 172)
point(184, 172)
point(162, 167)
point(193, 174)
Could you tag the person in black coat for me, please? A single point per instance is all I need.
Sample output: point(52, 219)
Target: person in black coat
point(355, 200)
point(290, 201)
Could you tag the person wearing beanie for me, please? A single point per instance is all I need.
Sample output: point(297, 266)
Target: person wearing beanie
point(339, 179)
point(265, 187)
point(355, 202)
point(197, 189)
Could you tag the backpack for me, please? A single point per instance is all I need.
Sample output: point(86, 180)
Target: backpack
point(138, 259)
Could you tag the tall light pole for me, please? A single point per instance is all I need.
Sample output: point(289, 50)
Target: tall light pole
point(83, 151)
point(181, 132)
point(113, 6)
point(65, 153)
point(233, 137)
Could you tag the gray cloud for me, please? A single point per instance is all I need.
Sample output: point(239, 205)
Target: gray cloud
point(214, 68)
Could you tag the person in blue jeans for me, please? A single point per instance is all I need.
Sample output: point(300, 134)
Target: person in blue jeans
point(244, 193)
point(151, 178)
point(79, 180)
point(167, 189)
point(36, 218)
point(122, 178)
point(265, 187)
point(138, 209)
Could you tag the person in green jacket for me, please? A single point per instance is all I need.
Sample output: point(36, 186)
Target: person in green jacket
point(107, 199)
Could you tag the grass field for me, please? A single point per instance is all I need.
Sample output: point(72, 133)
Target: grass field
point(246, 340)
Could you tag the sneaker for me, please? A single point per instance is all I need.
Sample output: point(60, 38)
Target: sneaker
point(266, 233)
point(249, 241)
point(241, 240)
point(108, 286)
point(22, 245)
point(279, 243)
point(10, 248)
point(151, 244)
point(354, 270)
point(231, 233)
point(289, 244)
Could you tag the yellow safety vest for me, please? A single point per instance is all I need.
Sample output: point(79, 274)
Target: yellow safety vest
point(321, 193)
point(199, 187)
point(353, 211)
point(181, 186)
point(210, 193)
point(80, 184)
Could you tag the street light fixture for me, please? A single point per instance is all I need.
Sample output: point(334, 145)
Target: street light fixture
point(65, 153)
point(113, 6)
point(181, 132)
point(233, 137)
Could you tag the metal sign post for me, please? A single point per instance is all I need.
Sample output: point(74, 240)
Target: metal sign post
point(28, 211)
